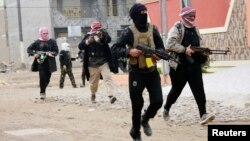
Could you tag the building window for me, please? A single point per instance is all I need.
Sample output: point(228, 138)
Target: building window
point(114, 7)
point(61, 32)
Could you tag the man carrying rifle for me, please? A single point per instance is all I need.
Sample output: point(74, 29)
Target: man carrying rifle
point(98, 61)
point(44, 51)
point(142, 68)
point(181, 37)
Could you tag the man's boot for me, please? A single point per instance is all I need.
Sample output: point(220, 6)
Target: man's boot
point(93, 98)
point(42, 96)
point(146, 127)
point(61, 85)
point(135, 134)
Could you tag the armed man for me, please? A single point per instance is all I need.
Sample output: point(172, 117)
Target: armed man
point(142, 68)
point(182, 36)
point(44, 51)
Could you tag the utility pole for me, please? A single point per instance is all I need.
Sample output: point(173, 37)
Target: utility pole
point(163, 13)
point(5, 41)
point(6, 25)
point(185, 3)
point(22, 65)
point(164, 32)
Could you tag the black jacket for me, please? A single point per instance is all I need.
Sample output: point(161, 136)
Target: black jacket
point(50, 46)
point(120, 50)
point(65, 59)
point(105, 40)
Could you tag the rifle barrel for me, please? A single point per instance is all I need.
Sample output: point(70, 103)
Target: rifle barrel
point(217, 51)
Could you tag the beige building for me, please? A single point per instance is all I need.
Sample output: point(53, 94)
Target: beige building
point(66, 19)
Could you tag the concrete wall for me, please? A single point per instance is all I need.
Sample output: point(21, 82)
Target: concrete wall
point(13, 31)
point(34, 14)
point(234, 38)
point(248, 21)
point(4, 54)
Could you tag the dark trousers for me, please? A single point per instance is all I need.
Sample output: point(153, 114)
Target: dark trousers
point(83, 75)
point(137, 83)
point(44, 76)
point(193, 75)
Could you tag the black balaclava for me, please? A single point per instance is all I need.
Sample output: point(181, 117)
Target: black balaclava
point(139, 16)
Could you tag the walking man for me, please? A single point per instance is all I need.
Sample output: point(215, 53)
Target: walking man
point(142, 68)
point(44, 51)
point(66, 65)
point(98, 60)
point(181, 36)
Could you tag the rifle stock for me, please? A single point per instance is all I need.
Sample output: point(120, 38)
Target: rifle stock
point(160, 53)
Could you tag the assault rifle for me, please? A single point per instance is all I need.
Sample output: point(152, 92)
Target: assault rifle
point(42, 56)
point(92, 33)
point(205, 52)
point(160, 53)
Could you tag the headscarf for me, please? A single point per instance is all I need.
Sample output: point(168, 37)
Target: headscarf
point(95, 26)
point(188, 16)
point(138, 13)
point(65, 46)
point(44, 34)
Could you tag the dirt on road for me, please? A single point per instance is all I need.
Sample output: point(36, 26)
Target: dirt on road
point(68, 114)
